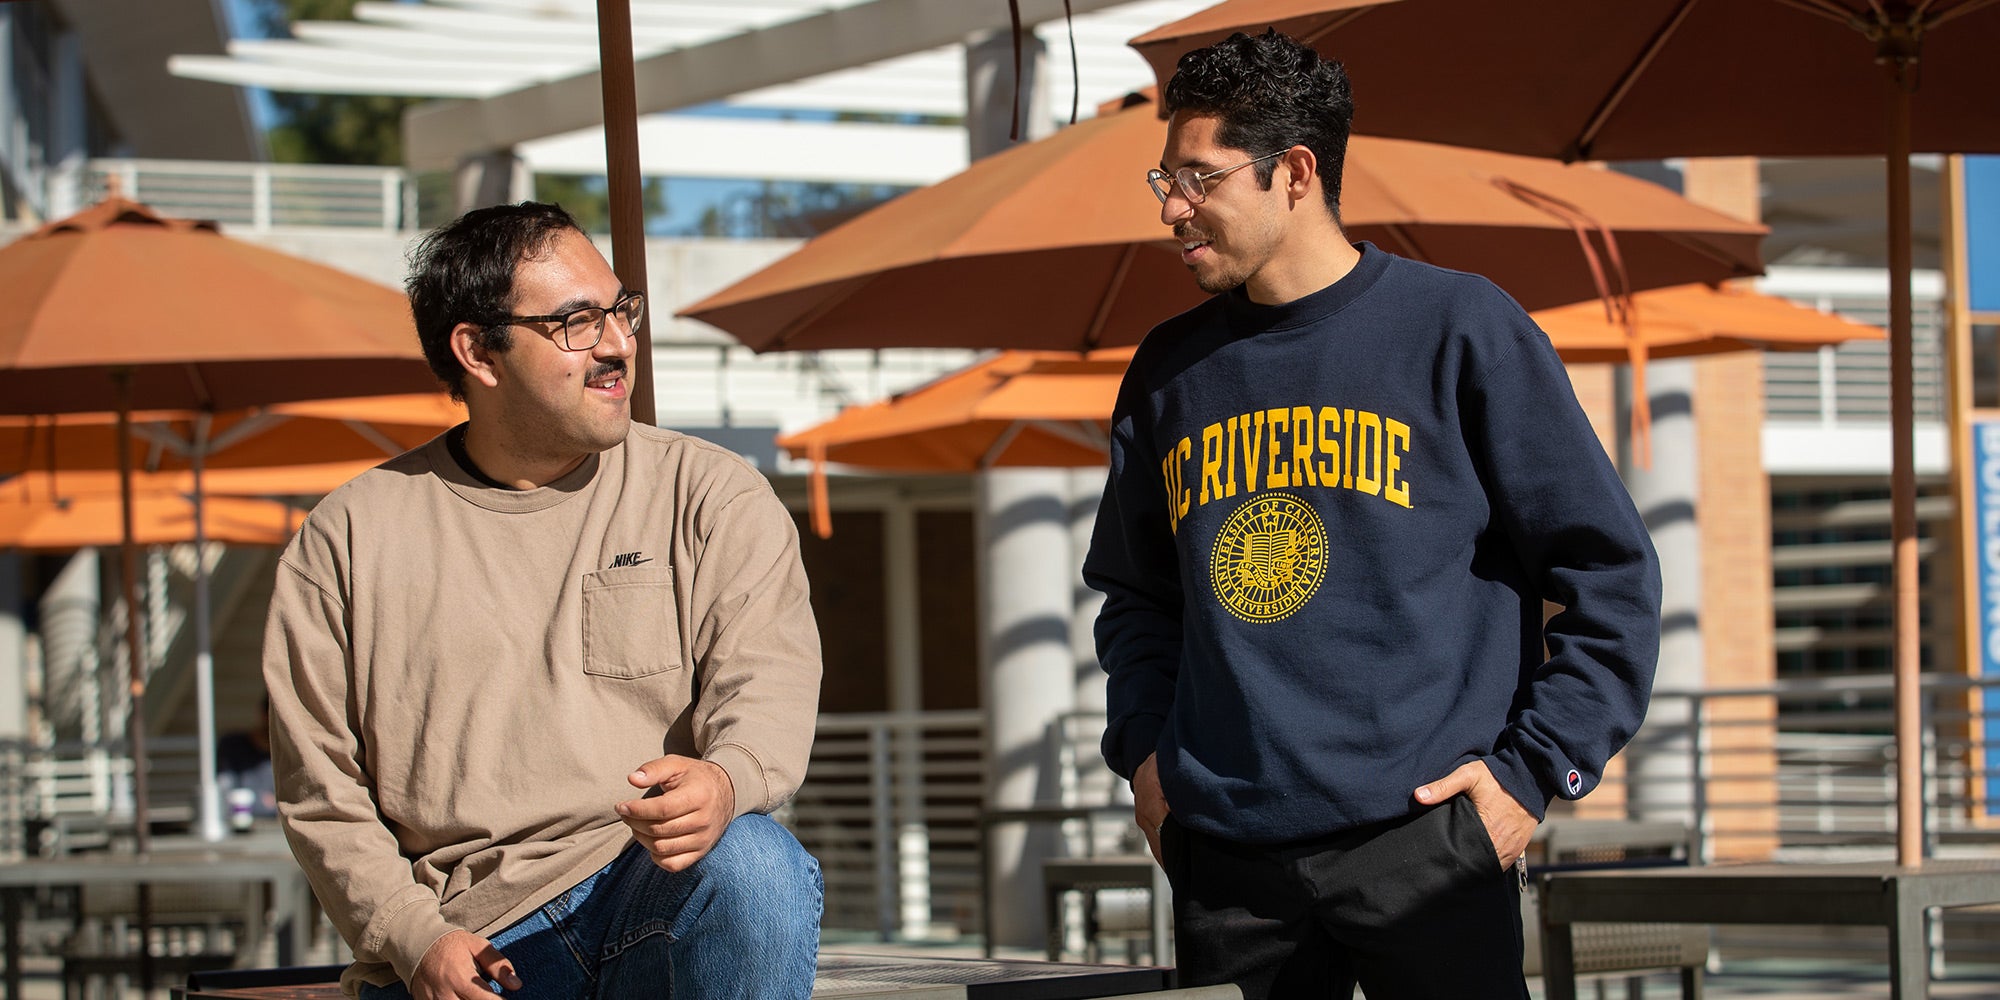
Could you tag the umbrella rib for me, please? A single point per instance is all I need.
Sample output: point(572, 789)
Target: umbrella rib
point(244, 430)
point(1961, 10)
point(1580, 149)
point(1000, 445)
point(1826, 9)
point(814, 315)
point(1406, 242)
point(375, 437)
point(1085, 434)
point(1095, 332)
point(1341, 21)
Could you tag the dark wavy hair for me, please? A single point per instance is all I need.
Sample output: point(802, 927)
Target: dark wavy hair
point(463, 272)
point(1270, 93)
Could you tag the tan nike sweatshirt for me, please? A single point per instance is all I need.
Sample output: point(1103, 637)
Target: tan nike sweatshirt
point(462, 676)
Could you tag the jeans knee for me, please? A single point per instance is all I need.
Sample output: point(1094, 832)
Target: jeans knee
point(760, 864)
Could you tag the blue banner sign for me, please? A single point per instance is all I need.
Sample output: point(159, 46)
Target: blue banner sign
point(1986, 518)
point(1982, 232)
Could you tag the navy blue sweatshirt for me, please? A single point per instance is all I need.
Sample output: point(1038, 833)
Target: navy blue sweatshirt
point(1325, 544)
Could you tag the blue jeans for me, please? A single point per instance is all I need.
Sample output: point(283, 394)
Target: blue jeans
point(743, 922)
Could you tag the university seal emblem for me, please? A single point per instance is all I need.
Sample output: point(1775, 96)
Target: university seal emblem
point(1269, 558)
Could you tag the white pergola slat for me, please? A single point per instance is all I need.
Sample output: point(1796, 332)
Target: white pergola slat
point(517, 71)
point(749, 149)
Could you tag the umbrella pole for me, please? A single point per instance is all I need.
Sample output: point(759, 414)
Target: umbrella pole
point(1903, 492)
point(625, 188)
point(135, 715)
point(210, 798)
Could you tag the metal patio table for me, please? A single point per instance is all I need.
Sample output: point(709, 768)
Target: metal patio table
point(291, 896)
point(1879, 894)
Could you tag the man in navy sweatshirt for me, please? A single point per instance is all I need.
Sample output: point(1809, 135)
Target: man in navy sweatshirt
point(1341, 491)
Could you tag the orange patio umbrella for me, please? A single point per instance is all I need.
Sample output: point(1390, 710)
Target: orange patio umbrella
point(1645, 79)
point(1057, 244)
point(159, 517)
point(1018, 408)
point(283, 434)
point(1695, 320)
point(119, 308)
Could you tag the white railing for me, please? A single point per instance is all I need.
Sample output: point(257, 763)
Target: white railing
point(1850, 383)
point(255, 196)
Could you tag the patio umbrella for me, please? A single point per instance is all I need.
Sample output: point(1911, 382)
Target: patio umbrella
point(1057, 244)
point(120, 308)
point(161, 515)
point(1694, 320)
point(1643, 79)
point(1016, 409)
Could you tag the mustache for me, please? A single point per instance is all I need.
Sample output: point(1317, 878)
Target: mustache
point(615, 366)
point(1187, 233)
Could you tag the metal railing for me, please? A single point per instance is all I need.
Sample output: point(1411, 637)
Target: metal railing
point(257, 196)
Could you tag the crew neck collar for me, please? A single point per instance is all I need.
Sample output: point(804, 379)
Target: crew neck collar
point(1247, 318)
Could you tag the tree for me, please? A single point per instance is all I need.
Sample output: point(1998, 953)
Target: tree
point(588, 198)
point(329, 128)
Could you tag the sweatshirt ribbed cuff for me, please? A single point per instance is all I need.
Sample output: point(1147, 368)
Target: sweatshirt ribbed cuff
point(746, 777)
point(409, 930)
point(1138, 740)
point(1519, 780)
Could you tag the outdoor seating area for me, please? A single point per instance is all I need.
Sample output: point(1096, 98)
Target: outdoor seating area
point(1023, 449)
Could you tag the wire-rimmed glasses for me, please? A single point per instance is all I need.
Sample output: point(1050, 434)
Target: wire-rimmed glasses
point(583, 327)
point(1192, 184)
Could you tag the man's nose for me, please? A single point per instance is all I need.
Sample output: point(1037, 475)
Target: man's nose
point(1176, 209)
point(620, 340)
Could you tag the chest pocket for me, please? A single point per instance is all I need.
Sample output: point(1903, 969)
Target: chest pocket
point(630, 627)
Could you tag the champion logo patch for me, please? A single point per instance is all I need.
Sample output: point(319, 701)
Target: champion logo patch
point(1574, 781)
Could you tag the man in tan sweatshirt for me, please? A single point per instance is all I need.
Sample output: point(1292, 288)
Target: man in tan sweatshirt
point(534, 684)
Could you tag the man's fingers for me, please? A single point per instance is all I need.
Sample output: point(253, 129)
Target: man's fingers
point(1458, 781)
point(496, 966)
point(659, 771)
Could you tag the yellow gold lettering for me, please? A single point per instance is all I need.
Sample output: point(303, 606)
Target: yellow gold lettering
point(1367, 440)
point(1229, 460)
point(1302, 447)
point(1186, 495)
point(1329, 445)
point(1253, 447)
point(1211, 463)
point(1347, 467)
point(1398, 434)
point(1278, 475)
point(1167, 478)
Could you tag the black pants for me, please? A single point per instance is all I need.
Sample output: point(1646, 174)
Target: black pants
point(1417, 907)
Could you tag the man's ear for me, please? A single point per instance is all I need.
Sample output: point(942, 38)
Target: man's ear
point(477, 360)
point(1301, 173)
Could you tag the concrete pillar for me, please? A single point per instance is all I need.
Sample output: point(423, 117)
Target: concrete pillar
point(13, 649)
point(906, 698)
point(69, 610)
point(1086, 489)
point(1027, 676)
point(989, 91)
point(12, 142)
point(494, 178)
point(1660, 760)
point(69, 127)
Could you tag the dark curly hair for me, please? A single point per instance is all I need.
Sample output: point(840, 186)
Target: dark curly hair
point(1270, 93)
point(463, 272)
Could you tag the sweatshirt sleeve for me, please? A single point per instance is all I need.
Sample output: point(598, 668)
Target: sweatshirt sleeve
point(1584, 547)
point(326, 800)
point(1132, 561)
point(757, 651)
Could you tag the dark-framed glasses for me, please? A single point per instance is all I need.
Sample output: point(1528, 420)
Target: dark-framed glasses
point(580, 329)
point(1192, 184)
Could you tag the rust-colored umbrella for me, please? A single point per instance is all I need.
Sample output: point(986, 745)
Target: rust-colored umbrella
point(118, 307)
point(284, 434)
point(1057, 244)
point(1644, 79)
point(1693, 320)
point(161, 515)
point(1018, 408)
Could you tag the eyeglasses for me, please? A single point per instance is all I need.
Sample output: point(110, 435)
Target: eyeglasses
point(582, 328)
point(1192, 184)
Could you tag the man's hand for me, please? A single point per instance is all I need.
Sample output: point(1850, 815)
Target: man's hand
point(457, 967)
point(1149, 804)
point(679, 825)
point(1508, 824)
